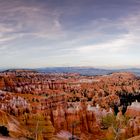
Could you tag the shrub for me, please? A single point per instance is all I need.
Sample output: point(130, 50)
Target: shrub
point(108, 121)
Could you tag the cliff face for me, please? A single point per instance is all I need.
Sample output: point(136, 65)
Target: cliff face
point(2, 83)
point(133, 127)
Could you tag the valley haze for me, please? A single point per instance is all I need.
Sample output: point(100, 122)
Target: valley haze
point(89, 71)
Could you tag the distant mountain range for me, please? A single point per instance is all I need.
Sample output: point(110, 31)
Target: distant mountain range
point(86, 70)
point(81, 70)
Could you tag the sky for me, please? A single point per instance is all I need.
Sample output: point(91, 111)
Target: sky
point(48, 33)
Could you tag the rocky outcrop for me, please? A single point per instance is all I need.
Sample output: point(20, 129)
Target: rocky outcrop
point(135, 138)
point(133, 127)
point(14, 128)
point(133, 110)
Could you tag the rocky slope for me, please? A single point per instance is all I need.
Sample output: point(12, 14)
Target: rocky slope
point(12, 127)
point(135, 138)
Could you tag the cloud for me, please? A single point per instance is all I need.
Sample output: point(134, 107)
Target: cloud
point(115, 36)
point(20, 20)
point(114, 46)
point(49, 31)
point(7, 38)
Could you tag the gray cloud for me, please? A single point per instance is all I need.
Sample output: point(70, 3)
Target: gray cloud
point(61, 32)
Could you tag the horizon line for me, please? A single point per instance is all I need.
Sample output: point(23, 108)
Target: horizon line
point(95, 67)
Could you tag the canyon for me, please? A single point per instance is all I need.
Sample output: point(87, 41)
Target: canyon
point(64, 106)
